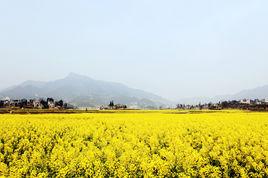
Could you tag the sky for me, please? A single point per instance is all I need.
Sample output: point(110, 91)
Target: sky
point(173, 48)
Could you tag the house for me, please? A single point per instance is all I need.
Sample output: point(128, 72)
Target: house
point(30, 103)
point(257, 102)
point(245, 101)
point(50, 103)
point(37, 103)
point(14, 103)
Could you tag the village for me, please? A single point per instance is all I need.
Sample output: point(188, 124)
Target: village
point(48, 103)
point(112, 106)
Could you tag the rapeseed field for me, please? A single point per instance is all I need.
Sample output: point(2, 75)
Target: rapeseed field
point(135, 144)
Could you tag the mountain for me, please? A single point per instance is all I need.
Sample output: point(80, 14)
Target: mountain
point(259, 92)
point(255, 93)
point(83, 91)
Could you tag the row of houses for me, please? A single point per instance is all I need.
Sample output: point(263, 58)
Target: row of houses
point(48, 103)
point(247, 104)
point(254, 101)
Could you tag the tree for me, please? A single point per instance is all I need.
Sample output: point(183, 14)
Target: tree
point(59, 103)
point(1, 104)
point(44, 104)
point(111, 104)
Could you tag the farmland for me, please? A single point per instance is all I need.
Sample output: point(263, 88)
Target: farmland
point(135, 144)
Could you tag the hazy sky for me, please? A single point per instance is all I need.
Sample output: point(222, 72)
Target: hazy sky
point(174, 48)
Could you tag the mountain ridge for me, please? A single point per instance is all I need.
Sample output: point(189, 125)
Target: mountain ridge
point(84, 91)
point(253, 93)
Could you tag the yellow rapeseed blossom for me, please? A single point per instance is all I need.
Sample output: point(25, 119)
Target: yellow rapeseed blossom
point(135, 144)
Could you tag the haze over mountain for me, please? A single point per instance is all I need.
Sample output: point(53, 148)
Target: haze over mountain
point(255, 93)
point(85, 92)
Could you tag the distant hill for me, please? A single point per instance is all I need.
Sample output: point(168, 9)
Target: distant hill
point(259, 92)
point(255, 93)
point(83, 91)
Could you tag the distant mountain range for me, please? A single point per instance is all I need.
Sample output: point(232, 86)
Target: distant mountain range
point(83, 91)
point(255, 93)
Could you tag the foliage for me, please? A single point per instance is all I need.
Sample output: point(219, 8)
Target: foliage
point(160, 144)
